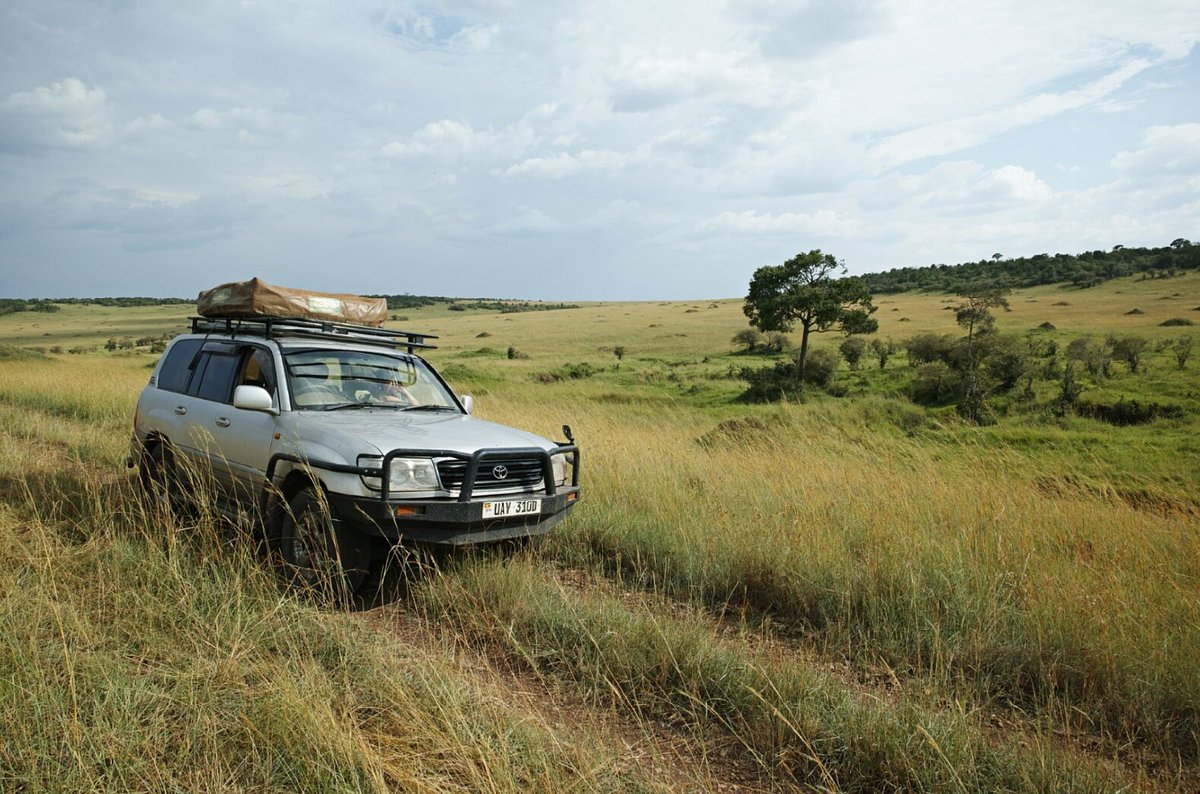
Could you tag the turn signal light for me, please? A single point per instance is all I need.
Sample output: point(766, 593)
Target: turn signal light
point(410, 510)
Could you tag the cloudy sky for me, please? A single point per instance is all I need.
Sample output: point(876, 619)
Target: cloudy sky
point(580, 150)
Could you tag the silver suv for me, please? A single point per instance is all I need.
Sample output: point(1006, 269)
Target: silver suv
point(342, 442)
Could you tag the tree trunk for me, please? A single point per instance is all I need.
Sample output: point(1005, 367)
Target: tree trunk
point(805, 329)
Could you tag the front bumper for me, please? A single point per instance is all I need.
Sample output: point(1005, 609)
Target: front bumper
point(451, 521)
point(446, 522)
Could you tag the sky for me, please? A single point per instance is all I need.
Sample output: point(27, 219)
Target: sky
point(559, 150)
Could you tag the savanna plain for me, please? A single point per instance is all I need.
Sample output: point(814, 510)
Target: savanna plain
point(832, 593)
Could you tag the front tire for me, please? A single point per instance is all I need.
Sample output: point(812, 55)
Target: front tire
point(160, 480)
point(319, 553)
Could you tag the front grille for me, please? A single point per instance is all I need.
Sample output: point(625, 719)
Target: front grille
point(524, 474)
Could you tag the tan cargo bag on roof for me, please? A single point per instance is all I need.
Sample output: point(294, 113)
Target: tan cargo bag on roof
point(257, 298)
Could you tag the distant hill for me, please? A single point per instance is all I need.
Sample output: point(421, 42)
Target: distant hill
point(1081, 270)
point(11, 305)
point(503, 305)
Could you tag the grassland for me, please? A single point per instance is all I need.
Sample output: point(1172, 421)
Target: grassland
point(847, 593)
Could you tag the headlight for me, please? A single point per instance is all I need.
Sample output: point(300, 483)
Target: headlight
point(558, 463)
point(404, 474)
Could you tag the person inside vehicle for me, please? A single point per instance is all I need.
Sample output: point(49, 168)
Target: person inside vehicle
point(311, 385)
point(393, 391)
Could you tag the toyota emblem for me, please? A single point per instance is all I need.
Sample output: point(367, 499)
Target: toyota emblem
point(500, 472)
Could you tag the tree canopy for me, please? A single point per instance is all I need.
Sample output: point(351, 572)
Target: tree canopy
point(806, 291)
point(1084, 269)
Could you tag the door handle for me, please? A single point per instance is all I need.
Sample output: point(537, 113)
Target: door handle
point(222, 422)
point(179, 409)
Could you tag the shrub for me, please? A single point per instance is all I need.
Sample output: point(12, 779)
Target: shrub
point(1129, 412)
point(576, 371)
point(820, 367)
point(1129, 349)
point(935, 384)
point(852, 349)
point(778, 342)
point(769, 384)
point(1176, 321)
point(927, 348)
point(748, 337)
point(1068, 392)
point(1090, 353)
point(1183, 350)
point(883, 350)
point(1004, 363)
point(779, 382)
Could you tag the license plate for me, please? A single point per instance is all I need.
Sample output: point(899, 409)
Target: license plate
point(514, 507)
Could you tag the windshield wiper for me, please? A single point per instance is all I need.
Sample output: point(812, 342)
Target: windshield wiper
point(340, 406)
point(430, 408)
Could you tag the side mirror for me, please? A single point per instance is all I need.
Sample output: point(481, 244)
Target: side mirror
point(468, 402)
point(252, 398)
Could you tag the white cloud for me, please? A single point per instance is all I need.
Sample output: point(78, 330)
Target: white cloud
point(1172, 151)
point(564, 164)
point(65, 114)
point(716, 134)
point(954, 135)
point(823, 223)
point(448, 139)
point(531, 222)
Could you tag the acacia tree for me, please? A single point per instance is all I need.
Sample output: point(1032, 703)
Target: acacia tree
point(806, 291)
point(974, 314)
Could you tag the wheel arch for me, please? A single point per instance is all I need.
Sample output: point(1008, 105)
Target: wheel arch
point(278, 497)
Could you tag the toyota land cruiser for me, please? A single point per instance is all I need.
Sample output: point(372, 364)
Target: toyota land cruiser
point(341, 440)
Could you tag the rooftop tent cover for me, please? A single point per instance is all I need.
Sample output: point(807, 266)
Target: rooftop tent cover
point(257, 298)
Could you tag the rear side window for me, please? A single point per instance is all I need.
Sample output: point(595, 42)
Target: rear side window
point(177, 367)
point(216, 376)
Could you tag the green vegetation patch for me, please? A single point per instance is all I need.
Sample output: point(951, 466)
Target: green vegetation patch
point(14, 353)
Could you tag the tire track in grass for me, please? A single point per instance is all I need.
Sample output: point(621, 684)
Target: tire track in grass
point(769, 634)
point(800, 724)
point(675, 759)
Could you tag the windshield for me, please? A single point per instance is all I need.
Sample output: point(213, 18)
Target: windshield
point(323, 379)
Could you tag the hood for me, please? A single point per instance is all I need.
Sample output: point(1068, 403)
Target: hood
point(387, 429)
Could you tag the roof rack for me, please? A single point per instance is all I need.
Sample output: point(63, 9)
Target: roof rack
point(271, 327)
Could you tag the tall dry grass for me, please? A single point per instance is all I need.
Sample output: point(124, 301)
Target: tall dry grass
point(992, 572)
point(951, 562)
point(144, 652)
point(797, 719)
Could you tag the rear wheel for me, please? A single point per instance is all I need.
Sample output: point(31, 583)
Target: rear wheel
point(320, 554)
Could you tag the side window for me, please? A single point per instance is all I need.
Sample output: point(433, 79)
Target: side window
point(258, 369)
point(177, 366)
point(216, 377)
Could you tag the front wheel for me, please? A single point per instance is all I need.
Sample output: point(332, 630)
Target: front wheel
point(160, 480)
point(320, 554)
